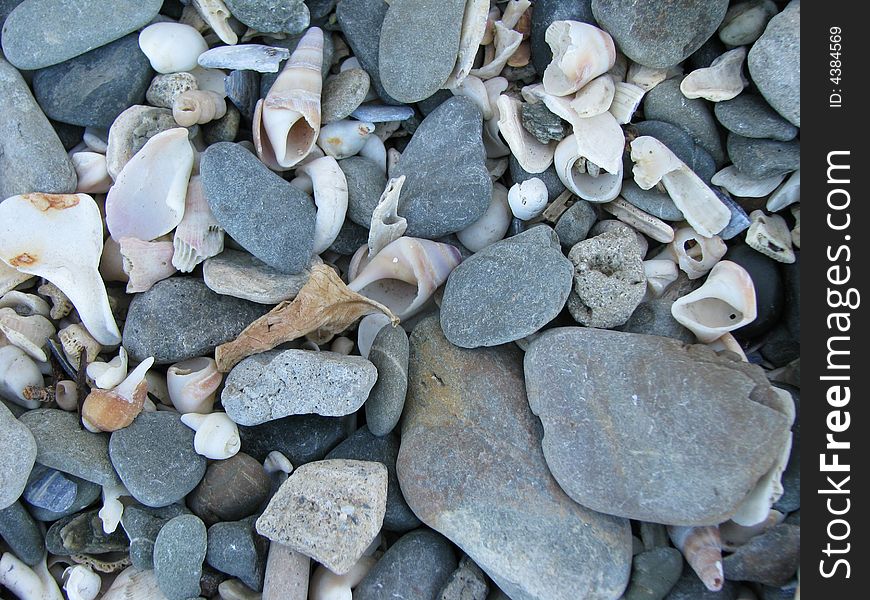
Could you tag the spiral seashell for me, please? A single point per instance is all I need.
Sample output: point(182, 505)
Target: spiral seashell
point(404, 275)
point(28, 333)
point(387, 226)
point(506, 43)
point(702, 548)
point(581, 174)
point(581, 52)
point(660, 273)
point(111, 410)
point(217, 436)
point(470, 38)
point(195, 107)
point(198, 236)
point(533, 156)
point(192, 384)
point(81, 583)
point(76, 339)
point(724, 303)
point(641, 221)
point(696, 260)
point(330, 196)
point(345, 138)
point(769, 235)
point(594, 98)
point(287, 120)
point(626, 100)
point(171, 47)
point(528, 199)
point(145, 263)
point(787, 194)
point(722, 80)
point(18, 372)
point(109, 375)
point(91, 172)
point(492, 225)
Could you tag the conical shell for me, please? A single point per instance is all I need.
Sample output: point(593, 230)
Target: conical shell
point(199, 236)
point(110, 410)
point(702, 548)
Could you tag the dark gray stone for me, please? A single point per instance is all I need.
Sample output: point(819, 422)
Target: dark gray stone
point(142, 525)
point(350, 238)
point(681, 144)
point(320, 8)
point(750, 116)
point(654, 317)
point(86, 494)
point(236, 549)
point(243, 90)
point(434, 101)
point(739, 219)
point(763, 158)
point(471, 467)
point(771, 558)
point(652, 201)
point(301, 438)
point(22, 534)
point(654, 573)
point(448, 186)
point(704, 56)
point(179, 552)
point(774, 63)
point(659, 34)
point(6, 7)
point(506, 291)
point(689, 587)
point(18, 448)
point(784, 342)
point(83, 533)
point(541, 123)
point(467, 582)
point(271, 16)
point(50, 489)
point(157, 478)
point(544, 13)
point(549, 177)
point(772, 593)
point(769, 295)
point(231, 490)
point(365, 184)
point(267, 216)
point(92, 89)
point(574, 224)
point(361, 22)
point(389, 354)
point(343, 93)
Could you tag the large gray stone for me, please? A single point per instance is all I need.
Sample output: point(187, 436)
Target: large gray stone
point(471, 467)
point(750, 116)
point(142, 524)
point(22, 534)
point(650, 428)
point(775, 63)
point(389, 355)
point(361, 22)
point(271, 16)
point(301, 438)
point(365, 184)
point(18, 448)
point(236, 549)
point(763, 158)
point(179, 552)
point(771, 558)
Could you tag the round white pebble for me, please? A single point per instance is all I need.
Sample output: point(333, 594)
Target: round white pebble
point(528, 199)
point(172, 47)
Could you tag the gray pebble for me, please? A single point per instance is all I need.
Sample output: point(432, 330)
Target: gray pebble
point(231, 490)
point(19, 449)
point(361, 22)
point(83, 533)
point(771, 558)
point(271, 16)
point(224, 129)
point(541, 123)
point(467, 582)
point(574, 224)
point(242, 275)
point(653, 317)
point(179, 552)
point(652, 201)
point(343, 93)
point(131, 130)
point(374, 113)
point(750, 116)
point(301, 438)
point(389, 355)
point(49, 489)
point(86, 493)
point(243, 90)
point(774, 63)
point(745, 21)
point(350, 238)
point(654, 573)
point(6, 7)
point(22, 534)
point(689, 587)
point(165, 88)
point(236, 549)
point(763, 158)
point(142, 525)
point(365, 184)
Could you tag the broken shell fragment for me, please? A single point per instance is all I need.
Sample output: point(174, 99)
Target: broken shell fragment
point(741, 185)
point(17, 373)
point(198, 236)
point(506, 43)
point(249, 57)
point(528, 199)
point(217, 436)
point(581, 52)
point(595, 97)
point(769, 234)
point(76, 340)
point(345, 138)
point(787, 194)
point(192, 384)
point(217, 15)
point(492, 225)
point(387, 226)
point(695, 253)
point(532, 155)
point(195, 107)
point(91, 172)
point(647, 78)
point(326, 585)
point(25, 305)
point(626, 100)
point(660, 273)
point(576, 165)
point(722, 80)
point(330, 197)
point(641, 221)
point(702, 547)
point(111, 410)
point(171, 47)
point(30, 333)
point(470, 39)
point(81, 583)
point(60, 304)
point(145, 263)
point(108, 375)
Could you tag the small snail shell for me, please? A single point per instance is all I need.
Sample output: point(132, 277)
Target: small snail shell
point(217, 436)
point(192, 384)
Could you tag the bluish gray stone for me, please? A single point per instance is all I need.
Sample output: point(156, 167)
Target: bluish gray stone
point(41, 33)
point(236, 549)
point(271, 16)
point(83, 533)
point(771, 558)
point(654, 573)
point(704, 56)
point(18, 448)
point(448, 186)
point(142, 525)
point(243, 90)
point(467, 582)
point(157, 478)
point(242, 275)
point(86, 494)
point(774, 63)
point(681, 144)
point(739, 219)
point(544, 13)
point(763, 158)
point(180, 318)
point(652, 201)
point(574, 224)
point(350, 238)
point(301, 438)
point(50, 489)
point(365, 184)
point(267, 216)
point(179, 552)
point(361, 22)
point(22, 534)
point(389, 355)
point(6, 7)
point(750, 116)
point(320, 8)
point(549, 177)
point(543, 124)
point(372, 113)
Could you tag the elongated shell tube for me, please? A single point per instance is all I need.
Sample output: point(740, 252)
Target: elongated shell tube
point(470, 38)
point(330, 196)
point(532, 155)
point(217, 436)
point(581, 52)
point(584, 177)
point(196, 107)
point(199, 236)
point(192, 384)
point(702, 548)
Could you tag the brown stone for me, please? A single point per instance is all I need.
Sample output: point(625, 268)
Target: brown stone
point(231, 490)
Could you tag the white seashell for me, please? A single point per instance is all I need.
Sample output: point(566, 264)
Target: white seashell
point(769, 234)
point(796, 231)
point(558, 105)
point(492, 141)
point(304, 183)
point(10, 277)
point(17, 372)
point(108, 375)
point(474, 89)
point(626, 100)
point(28, 333)
point(211, 80)
point(619, 70)
point(145, 263)
point(787, 194)
point(326, 585)
point(470, 39)
point(217, 15)
point(96, 140)
point(66, 396)
point(75, 223)
point(93, 176)
point(287, 120)
point(647, 78)
point(217, 436)
point(728, 342)
point(330, 196)
point(528, 199)
point(171, 47)
point(724, 303)
point(660, 273)
point(277, 463)
point(249, 57)
point(492, 225)
point(368, 328)
point(533, 156)
point(387, 226)
point(147, 200)
point(81, 583)
point(25, 305)
point(404, 275)
point(198, 236)
point(342, 345)
point(112, 509)
point(111, 262)
point(581, 52)
point(744, 186)
point(701, 207)
point(580, 173)
point(28, 583)
point(192, 384)
point(375, 151)
point(133, 584)
point(697, 260)
point(595, 97)
point(157, 387)
point(641, 221)
point(234, 589)
point(344, 138)
point(722, 80)
point(513, 10)
point(506, 43)
point(195, 107)
point(75, 339)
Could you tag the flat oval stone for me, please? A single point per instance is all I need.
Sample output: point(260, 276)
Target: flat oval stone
point(574, 224)
point(365, 184)
point(301, 438)
point(18, 448)
point(142, 525)
point(389, 355)
point(236, 549)
point(179, 552)
point(266, 215)
point(271, 16)
point(654, 573)
point(763, 158)
point(343, 93)
point(771, 558)
point(750, 116)
point(651, 201)
point(678, 441)
point(231, 490)
point(22, 534)
point(774, 63)
point(361, 22)
point(242, 275)
point(41, 33)
point(448, 186)
point(50, 489)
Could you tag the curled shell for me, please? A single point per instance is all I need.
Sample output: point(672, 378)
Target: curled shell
point(198, 236)
point(695, 253)
point(192, 384)
point(702, 547)
point(387, 226)
point(108, 375)
point(111, 410)
point(581, 52)
point(195, 107)
point(582, 175)
point(330, 196)
point(217, 436)
point(145, 263)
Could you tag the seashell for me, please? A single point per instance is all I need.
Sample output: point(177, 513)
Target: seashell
point(171, 47)
point(96, 139)
point(513, 11)
point(787, 194)
point(619, 70)
point(722, 80)
point(470, 38)
point(133, 584)
point(326, 585)
point(533, 156)
point(234, 589)
point(211, 80)
point(474, 89)
point(647, 78)
point(217, 436)
point(28, 583)
point(375, 151)
point(626, 100)
point(28, 333)
point(595, 97)
point(147, 200)
point(66, 395)
point(769, 234)
point(660, 273)
point(342, 345)
point(112, 510)
point(198, 236)
point(734, 535)
point(641, 221)
point(287, 120)
point(60, 304)
point(506, 43)
point(157, 387)
point(702, 548)
point(277, 463)
point(217, 15)
point(75, 223)
point(91, 172)
point(10, 277)
point(724, 303)
point(111, 262)
point(81, 583)
point(528, 199)
point(404, 275)
point(192, 384)
point(558, 105)
point(18, 372)
point(111, 410)
point(75, 339)
point(697, 259)
point(145, 263)
point(729, 343)
point(744, 186)
point(189, 16)
point(248, 57)
point(580, 173)
point(376, 113)
point(25, 305)
point(521, 56)
point(367, 330)
point(796, 231)
point(109, 375)
point(330, 196)
point(581, 52)
point(492, 225)
point(387, 226)
point(700, 205)
point(489, 31)
point(345, 138)
point(195, 107)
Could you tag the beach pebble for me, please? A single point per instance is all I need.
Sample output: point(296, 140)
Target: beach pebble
point(131, 130)
point(543, 14)
point(157, 478)
point(652, 201)
point(267, 216)
point(763, 158)
point(541, 123)
point(745, 21)
point(179, 552)
point(86, 493)
point(180, 318)
point(243, 90)
point(790, 501)
point(365, 184)
point(361, 23)
point(653, 317)
point(343, 93)
point(22, 534)
point(506, 291)
point(41, 33)
point(448, 186)
point(142, 524)
point(681, 144)
point(480, 446)
point(574, 224)
point(165, 88)
point(389, 355)
point(236, 549)
point(329, 510)
point(6, 7)
point(239, 274)
point(654, 573)
point(271, 16)
point(350, 237)
point(224, 129)
point(689, 587)
point(467, 582)
point(376, 113)
point(770, 558)
point(750, 116)
point(19, 449)
point(49, 489)
point(549, 177)
point(230, 490)
point(728, 405)
point(83, 533)
point(172, 47)
point(774, 63)
point(416, 567)
point(32, 157)
point(301, 438)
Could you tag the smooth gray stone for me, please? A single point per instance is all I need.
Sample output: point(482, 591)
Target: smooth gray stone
point(363, 445)
point(271, 16)
point(32, 157)
point(769, 296)
point(18, 448)
point(467, 582)
point(549, 177)
point(470, 466)
point(41, 33)
point(83, 533)
point(343, 93)
point(92, 89)
point(574, 224)
point(448, 186)
point(365, 184)
point(659, 34)
point(239, 274)
point(774, 63)
point(180, 318)
point(746, 21)
point(763, 158)
point(389, 355)
point(750, 116)
point(416, 567)
point(602, 407)
point(301, 438)
point(689, 587)
point(243, 90)
point(350, 238)
point(179, 552)
point(654, 317)
point(544, 13)
point(236, 549)
point(651, 201)
point(434, 101)
point(231, 490)
point(361, 22)
point(267, 216)
point(224, 129)
point(704, 56)
point(771, 558)
point(320, 8)
point(50, 489)
point(70, 135)
point(22, 534)
point(681, 144)
point(63, 444)
point(142, 525)
point(373, 113)
point(506, 291)
point(654, 573)
point(6, 7)
point(86, 494)
point(157, 478)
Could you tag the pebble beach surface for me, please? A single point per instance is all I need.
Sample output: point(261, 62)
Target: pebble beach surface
point(462, 300)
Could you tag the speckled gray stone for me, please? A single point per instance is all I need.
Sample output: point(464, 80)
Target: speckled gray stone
point(19, 449)
point(389, 355)
point(22, 534)
point(681, 144)
point(750, 116)
point(271, 16)
point(467, 582)
point(244, 276)
point(179, 552)
point(236, 549)
point(541, 123)
point(549, 177)
point(165, 88)
point(180, 318)
point(361, 22)
point(544, 13)
point(350, 237)
point(746, 21)
point(6, 7)
point(142, 524)
point(574, 224)
point(770, 558)
point(342, 94)
point(654, 573)
point(652, 201)
point(774, 63)
point(365, 184)
point(763, 158)
point(267, 216)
